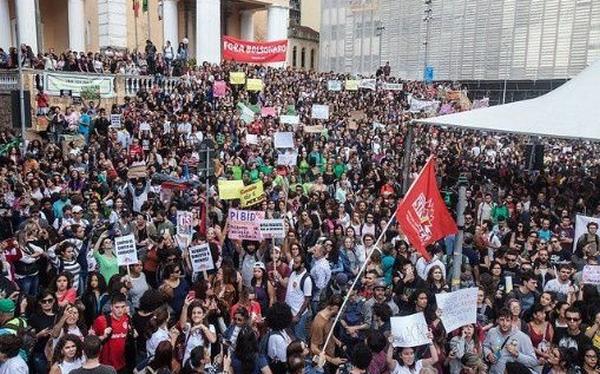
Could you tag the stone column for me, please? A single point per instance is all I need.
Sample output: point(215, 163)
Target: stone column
point(112, 23)
point(277, 22)
point(170, 23)
point(5, 32)
point(247, 25)
point(26, 23)
point(76, 25)
point(208, 31)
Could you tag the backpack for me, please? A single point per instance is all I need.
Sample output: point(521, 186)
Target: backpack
point(276, 366)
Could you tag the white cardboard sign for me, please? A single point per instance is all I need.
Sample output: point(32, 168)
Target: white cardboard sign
point(201, 258)
point(320, 111)
point(284, 140)
point(125, 250)
point(459, 308)
point(409, 331)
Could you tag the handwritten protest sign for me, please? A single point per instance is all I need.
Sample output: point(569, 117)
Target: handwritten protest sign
point(409, 331)
point(237, 77)
point(393, 86)
point(254, 84)
point(351, 85)
point(244, 224)
point(289, 119)
point(283, 140)
point(252, 139)
point(184, 222)
point(334, 85)
point(115, 120)
point(272, 228)
point(315, 129)
point(252, 194)
point(125, 250)
point(581, 223)
point(591, 275)
point(287, 159)
point(458, 308)
point(246, 114)
point(219, 88)
point(201, 258)
point(268, 111)
point(230, 190)
point(320, 111)
point(356, 116)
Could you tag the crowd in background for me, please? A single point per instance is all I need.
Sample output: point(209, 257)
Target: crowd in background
point(268, 306)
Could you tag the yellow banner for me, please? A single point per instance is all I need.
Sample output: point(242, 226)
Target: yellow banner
point(229, 190)
point(252, 194)
point(351, 85)
point(254, 84)
point(237, 77)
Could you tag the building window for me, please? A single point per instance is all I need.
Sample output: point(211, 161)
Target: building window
point(312, 58)
point(294, 56)
point(303, 58)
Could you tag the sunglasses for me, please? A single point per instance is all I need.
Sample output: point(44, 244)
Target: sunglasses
point(573, 319)
point(46, 301)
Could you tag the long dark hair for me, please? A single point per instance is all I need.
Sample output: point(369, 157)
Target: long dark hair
point(80, 319)
point(163, 356)
point(101, 283)
point(246, 349)
point(58, 356)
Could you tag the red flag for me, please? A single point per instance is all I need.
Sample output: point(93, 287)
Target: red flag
point(422, 214)
point(136, 8)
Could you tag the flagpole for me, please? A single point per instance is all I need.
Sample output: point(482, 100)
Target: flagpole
point(362, 269)
point(406, 158)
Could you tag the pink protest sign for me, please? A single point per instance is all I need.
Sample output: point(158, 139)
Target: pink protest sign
point(219, 88)
point(268, 111)
point(244, 224)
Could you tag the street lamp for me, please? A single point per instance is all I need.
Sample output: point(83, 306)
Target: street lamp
point(427, 19)
point(379, 32)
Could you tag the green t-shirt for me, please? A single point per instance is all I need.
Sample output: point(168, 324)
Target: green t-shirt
point(237, 172)
point(339, 169)
point(107, 266)
point(254, 175)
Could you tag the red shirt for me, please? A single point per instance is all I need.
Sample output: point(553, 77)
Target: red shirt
point(113, 351)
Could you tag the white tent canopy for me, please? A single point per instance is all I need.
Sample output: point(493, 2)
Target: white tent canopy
point(570, 111)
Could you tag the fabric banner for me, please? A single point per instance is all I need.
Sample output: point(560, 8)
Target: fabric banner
point(237, 77)
point(287, 159)
point(427, 106)
point(219, 88)
point(272, 228)
point(351, 85)
point(422, 214)
point(252, 194)
point(334, 85)
point(320, 111)
point(581, 223)
point(244, 224)
point(458, 308)
point(254, 52)
point(125, 250)
point(409, 331)
point(54, 82)
point(289, 119)
point(246, 114)
point(367, 84)
point(393, 86)
point(268, 111)
point(230, 190)
point(254, 84)
point(185, 221)
point(201, 258)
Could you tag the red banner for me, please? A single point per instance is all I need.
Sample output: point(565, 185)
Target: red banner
point(422, 214)
point(254, 52)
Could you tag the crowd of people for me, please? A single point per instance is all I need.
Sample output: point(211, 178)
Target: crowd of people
point(268, 306)
point(169, 60)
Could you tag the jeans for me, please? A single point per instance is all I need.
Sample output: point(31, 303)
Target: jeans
point(39, 363)
point(29, 285)
point(301, 327)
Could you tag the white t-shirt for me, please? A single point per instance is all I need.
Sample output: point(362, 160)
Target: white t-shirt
point(405, 370)
point(295, 295)
point(15, 365)
point(277, 346)
point(159, 336)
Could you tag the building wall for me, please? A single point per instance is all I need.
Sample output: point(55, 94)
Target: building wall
point(55, 24)
point(308, 46)
point(468, 39)
point(311, 14)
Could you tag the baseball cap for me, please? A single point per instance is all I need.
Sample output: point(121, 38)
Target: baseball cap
point(77, 209)
point(7, 306)
point(260, 264)
point(379, 284)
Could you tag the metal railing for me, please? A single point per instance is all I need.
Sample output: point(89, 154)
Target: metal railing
point(9, 80)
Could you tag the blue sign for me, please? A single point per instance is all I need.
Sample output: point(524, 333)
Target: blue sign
point(428, 74)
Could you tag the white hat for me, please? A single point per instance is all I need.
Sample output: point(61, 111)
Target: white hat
point(77, 209)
